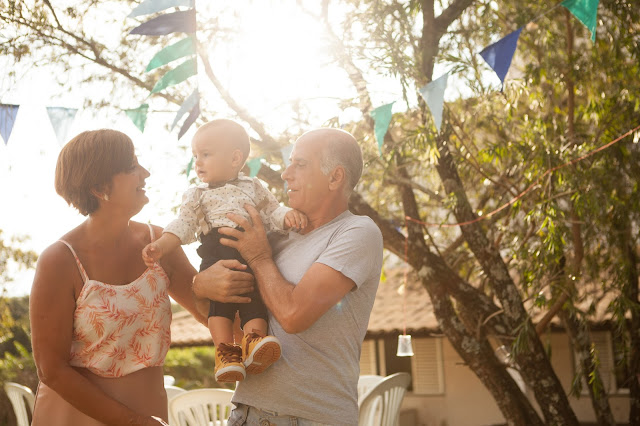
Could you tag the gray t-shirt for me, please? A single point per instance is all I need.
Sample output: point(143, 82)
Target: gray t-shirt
point(316, 378)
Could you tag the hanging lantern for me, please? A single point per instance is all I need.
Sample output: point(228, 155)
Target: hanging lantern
point(404, 345)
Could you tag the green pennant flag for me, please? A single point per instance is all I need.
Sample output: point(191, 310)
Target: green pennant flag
point(138, 116)
point(381, 118)
point(176, 75)
point(254, 166)
point(184, 47)
point(586, 11)
point(189, 166)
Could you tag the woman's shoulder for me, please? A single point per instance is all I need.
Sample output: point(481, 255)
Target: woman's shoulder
point(145, 231)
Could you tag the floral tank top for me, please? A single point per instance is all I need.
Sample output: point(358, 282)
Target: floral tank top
point(120, 329)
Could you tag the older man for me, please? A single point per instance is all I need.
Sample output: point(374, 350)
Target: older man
point(319, 286)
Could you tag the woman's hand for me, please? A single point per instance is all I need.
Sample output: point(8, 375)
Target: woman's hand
point(252, 243)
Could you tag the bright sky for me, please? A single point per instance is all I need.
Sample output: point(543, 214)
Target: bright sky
point(280, 58)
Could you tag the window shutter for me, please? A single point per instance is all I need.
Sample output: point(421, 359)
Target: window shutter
point(368, 358)
point(604, 348)
point(427, 366)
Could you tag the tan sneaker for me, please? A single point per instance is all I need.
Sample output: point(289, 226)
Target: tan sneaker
point(229, 367)
point(259, 352)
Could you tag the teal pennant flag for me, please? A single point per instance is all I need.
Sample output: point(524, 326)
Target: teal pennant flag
point(191, 118)
point(286, 153)
point(254, 166)
point(176, 75)
point(586, 11)
point(184, 47)
point(189, 167)
point(433, 94)
point(183, 21)
point(152, 6)
point(8, 114)
point(500, 54)
point(138, 116)
point(381, 118)
point(61, 120)
point(187, 105)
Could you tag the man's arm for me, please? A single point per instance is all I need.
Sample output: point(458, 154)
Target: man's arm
point(296, 307)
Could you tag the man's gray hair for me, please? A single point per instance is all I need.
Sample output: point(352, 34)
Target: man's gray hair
point(341, 149)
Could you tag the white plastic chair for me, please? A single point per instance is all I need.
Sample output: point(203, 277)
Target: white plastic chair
point(201, 407)
point(366, 382)
point(22, 399)
point(381, 405)
point(173, 391)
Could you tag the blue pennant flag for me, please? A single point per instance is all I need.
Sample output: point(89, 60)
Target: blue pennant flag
point(152, 6)
point(381, 118)
point(61, 120)
point(8, 114)
point(186, 106)
point(254, 166)
point(499, 54)
point(286, 153)
point(191, 118)
point(433, 94)
point(176, 22)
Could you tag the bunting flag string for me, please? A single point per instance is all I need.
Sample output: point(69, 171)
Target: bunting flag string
point(138, 116)
point(183, 21)
point(61, 120)
point(185, 47)
point(148, 7)
point(433, 94)
point(8, 114)
point(254, 166)
point(381, 119)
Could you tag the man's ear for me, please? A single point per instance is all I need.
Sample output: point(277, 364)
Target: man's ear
point(337, 178)
point(237, 158)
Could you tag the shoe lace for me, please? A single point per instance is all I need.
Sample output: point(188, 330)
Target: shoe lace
point(230, 355)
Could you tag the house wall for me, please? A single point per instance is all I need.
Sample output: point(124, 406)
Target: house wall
point(466, 402)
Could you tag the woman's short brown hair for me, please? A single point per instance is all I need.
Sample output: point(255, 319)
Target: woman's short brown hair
point(88, 162)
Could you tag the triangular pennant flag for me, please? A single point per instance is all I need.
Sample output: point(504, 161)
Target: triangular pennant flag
point(184, 47)
point(8, 114)
point(254, 166)
point(381, 118)
point(152, 6)
point(433, 94)
point(61, 119)
point(186, 106)
point(586, 11)
point(138, 116)
point(286, 153)
point(191, 118)
point(176, 75)
point(176, 22)
point(189, 166)
point(499, 54)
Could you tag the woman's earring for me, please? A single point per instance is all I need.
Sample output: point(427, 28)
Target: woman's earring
point(106, 197)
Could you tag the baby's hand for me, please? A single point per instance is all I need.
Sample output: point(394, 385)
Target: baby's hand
point(151, 254)
point(295, 220)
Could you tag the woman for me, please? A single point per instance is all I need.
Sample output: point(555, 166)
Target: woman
point(99, 318)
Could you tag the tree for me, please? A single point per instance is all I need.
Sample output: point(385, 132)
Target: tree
point(488, 277)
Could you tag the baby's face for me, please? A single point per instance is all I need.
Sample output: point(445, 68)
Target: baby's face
point(212, 160)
